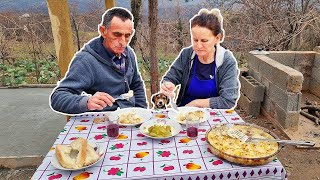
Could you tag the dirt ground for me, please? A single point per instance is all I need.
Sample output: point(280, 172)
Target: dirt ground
point(299, 163)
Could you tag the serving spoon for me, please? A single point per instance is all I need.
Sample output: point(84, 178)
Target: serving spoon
point(244, 138)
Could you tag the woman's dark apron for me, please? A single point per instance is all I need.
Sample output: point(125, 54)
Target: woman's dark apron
point(200, 89)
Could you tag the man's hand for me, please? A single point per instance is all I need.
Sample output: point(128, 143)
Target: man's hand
point(167, 89)
point(99, 101)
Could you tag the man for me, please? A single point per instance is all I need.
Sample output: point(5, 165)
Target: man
point(102, 70)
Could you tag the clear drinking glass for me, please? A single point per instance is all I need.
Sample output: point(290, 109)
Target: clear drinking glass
point(192, 128)
point(113, 127)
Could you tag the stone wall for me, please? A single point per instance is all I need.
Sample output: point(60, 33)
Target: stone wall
point(283, 85)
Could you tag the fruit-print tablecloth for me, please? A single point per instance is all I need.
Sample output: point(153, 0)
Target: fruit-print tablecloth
point(134, 156)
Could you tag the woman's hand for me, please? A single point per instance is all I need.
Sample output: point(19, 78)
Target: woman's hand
point(167, 89)
point(99, 101)
point(201, 103)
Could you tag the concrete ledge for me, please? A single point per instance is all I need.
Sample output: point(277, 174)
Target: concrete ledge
point(15, 162)
point(317, 49)
point(287, 119)
point(252, 108)
point(317, 60)
point(283, 57)
point(273, 121)
point(267, 104)
point(286, 100)
point(255, 74)
point(302, 61)
point(283, 76)
point(266, 83)
point(316, 74)
point(38, 85)
point(253, 61)
point(29, 86)
point(252, 88)
point(315, 87)
point(293, 58)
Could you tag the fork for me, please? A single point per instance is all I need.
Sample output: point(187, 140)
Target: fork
point(122, 97)
point(173, 104)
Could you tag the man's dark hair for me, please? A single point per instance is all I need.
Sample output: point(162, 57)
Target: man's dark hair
point(121, 13)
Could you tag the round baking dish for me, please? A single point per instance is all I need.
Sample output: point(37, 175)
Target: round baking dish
point(247, 161)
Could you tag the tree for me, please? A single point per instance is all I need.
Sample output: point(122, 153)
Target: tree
point(270, 24)
point(136, 10)
point(153, 24)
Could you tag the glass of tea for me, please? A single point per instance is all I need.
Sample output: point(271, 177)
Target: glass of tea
point(113, 127)
point(192, 128)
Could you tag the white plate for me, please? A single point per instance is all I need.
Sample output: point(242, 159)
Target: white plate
point(175, 127)
point(144, 114)
point(174, 114)
point(56, 164)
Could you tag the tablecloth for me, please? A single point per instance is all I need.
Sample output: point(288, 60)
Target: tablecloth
point(134, 156)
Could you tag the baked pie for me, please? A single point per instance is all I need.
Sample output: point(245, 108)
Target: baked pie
point(234, 149)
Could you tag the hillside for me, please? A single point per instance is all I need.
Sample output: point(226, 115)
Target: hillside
point(84, 6)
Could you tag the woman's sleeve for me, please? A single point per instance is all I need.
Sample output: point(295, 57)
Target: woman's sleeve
point(229, 87)
point(175, 71)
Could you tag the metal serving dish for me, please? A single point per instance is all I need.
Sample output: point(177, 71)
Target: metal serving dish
point(243, 160)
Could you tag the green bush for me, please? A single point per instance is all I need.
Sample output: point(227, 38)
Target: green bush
point(164, 63)
point(25, 71)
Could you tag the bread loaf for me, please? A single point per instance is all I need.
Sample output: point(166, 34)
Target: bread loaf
point(73, 156)
point(76, 155)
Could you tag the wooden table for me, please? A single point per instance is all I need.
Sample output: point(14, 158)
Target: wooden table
point(134, 156)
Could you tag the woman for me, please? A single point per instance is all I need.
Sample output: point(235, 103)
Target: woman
point(207, 72)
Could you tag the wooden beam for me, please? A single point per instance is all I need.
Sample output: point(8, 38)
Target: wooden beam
point(110, 4)
point(62, 33)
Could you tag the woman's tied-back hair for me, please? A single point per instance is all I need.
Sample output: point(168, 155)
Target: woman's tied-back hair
point(119, 12)
point(212, 20)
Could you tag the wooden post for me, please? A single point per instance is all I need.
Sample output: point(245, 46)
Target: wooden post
point(110, 3)
point(62, 34)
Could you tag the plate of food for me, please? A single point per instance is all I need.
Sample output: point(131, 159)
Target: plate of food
point(78, 155)
point(160, 128)
point(131, 116)
point(193, 113)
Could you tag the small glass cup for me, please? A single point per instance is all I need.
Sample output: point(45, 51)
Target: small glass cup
point(113, 127)
point(192, 128)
